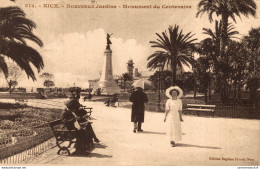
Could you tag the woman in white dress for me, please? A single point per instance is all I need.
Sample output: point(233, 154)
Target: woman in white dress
point(173, 114)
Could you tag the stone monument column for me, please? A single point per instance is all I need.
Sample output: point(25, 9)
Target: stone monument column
point(107, 82)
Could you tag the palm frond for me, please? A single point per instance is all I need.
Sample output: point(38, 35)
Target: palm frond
point(175, 49)
point(3, 66)
point(14, 25)
point(24, 56)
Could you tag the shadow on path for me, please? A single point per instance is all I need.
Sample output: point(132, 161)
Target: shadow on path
point(89, 154)
point(100, 146)
point(190, 145)
point(151, 132)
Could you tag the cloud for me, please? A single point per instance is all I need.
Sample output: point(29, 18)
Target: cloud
point(78, 57)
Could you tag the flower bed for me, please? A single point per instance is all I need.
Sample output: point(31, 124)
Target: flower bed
point(20, 121)
point(5, 139)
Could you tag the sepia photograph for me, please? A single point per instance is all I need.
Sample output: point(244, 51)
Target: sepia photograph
point(129, 83)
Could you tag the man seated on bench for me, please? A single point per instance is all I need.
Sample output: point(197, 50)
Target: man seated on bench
point(70, 120)
point(88, 97)
point(112, 102)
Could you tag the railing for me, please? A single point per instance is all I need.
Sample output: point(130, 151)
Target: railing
point(231, 111)
point(228, 111)
point(18, 146)
point(237, 111)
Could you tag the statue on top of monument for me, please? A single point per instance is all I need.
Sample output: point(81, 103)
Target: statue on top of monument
point(108, 40)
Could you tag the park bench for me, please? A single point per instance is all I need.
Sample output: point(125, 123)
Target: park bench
point(63, 136)
point(113, 102)
point(21, 101)
point(88, 97)
point(198, 108)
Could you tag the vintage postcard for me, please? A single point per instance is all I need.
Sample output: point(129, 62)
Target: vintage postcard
point(129, 83)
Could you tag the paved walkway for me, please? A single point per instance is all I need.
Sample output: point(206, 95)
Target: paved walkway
point(206, 141)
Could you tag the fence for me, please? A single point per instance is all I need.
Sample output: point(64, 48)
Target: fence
point(237, 111)
point(229, 111)
point(18, 146)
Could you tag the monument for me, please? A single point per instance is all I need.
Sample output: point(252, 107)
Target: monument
point(107, 82)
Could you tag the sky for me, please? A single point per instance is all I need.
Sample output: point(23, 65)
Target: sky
point(75, 38)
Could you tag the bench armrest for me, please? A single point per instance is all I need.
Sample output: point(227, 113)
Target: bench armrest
point(85, 107)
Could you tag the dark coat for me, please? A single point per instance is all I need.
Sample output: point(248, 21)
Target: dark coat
point(138, 98)
point(68, 119)
point(84, 135)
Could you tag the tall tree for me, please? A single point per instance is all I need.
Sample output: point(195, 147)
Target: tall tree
point(165, 79)
point(48, 79)
point(201, 71)
point(238, 58)
point(12, 78)
point(175, 50)
point(215, 38)
point(226, 9)
point(252, 44)
point(210, 48)
point(125, 77)
point(15, 30)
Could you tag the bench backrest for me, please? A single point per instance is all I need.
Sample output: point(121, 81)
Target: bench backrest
point(54, 123)
point(201, 105)
point(62, 134)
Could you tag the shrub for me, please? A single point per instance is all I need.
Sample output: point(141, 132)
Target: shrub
point(25, 132)
point(6, 124)
point(5, 139)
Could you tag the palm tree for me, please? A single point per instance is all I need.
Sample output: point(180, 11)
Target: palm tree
point(251, 42)
point(226, 9)
point(202, 75)
point(210, 47)
point(15, 29)
point(176, 50)
point(239, 57)
point(215, 37)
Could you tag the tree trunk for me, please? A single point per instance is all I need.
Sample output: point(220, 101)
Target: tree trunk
point(225, 91)
point(222, 59)
point(195, 91)
point(253, 91)
point(209, 89)
point(235, 91)
point(124, 85)
point(174, 69)
point(239, 92)
point(10, 86)
point(223, 35)
point(206, 95)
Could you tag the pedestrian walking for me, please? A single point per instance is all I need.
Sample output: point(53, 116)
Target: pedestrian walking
point(138, 97)
point(173, 114)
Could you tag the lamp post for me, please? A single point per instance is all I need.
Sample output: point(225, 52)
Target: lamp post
point(159, 87)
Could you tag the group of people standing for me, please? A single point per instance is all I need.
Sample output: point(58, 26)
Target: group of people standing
point(173, 112)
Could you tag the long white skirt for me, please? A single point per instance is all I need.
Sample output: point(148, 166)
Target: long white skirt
point(174, 126)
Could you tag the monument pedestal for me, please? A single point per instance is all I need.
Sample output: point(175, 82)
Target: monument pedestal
point(107, 82)
point(109, 87)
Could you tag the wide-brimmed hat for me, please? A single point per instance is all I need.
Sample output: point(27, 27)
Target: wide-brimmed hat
point(174, 88)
